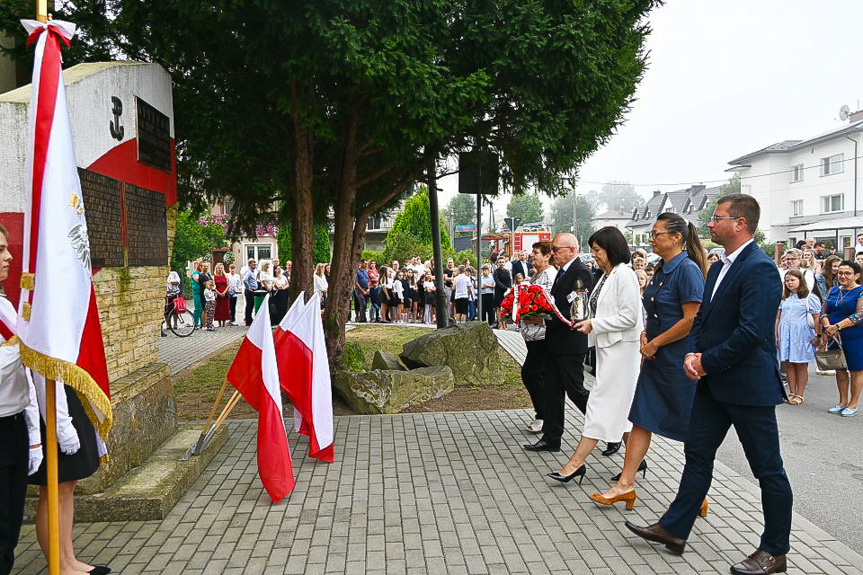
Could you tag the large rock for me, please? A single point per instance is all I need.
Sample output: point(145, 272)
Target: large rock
point(384, 360)
point(470, 350)
point(392, 391)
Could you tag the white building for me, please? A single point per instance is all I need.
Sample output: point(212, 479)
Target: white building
point(614, 218)
point(808, 188)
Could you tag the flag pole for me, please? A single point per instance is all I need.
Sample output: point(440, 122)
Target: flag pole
point(196, 449)
point(51, 431)
point(52, 483)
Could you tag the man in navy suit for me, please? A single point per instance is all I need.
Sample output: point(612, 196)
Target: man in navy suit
point(733, 358)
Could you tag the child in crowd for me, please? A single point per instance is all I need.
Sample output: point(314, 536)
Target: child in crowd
point(375, 298)
point(795, 337)
point(210, 303)
point(429, 289)
point(399, 292)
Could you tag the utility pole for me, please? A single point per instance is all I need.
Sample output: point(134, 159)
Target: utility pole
point(441, 304)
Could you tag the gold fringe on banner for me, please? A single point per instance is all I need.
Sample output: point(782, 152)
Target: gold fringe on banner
point(25, 311)
point(28, 281)
point(76, 378)
point(11, 341)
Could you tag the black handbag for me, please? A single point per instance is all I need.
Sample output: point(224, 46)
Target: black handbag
point(831, 359)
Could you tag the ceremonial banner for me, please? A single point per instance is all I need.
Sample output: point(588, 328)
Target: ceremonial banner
point(304, 373)
point(58, 323)
point(256, 376)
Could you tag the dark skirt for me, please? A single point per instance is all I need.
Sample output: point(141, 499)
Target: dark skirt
point(85, 461)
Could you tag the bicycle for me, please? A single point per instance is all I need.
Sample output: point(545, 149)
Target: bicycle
point(182, 322)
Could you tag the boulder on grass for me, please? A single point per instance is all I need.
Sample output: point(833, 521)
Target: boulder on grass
point(470, 350)
point(384, 360)
point(392, 391)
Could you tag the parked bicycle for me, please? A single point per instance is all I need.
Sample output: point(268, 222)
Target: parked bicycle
point(177, 317)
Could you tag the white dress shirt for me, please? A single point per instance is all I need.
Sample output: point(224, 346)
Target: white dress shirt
point(727, 261)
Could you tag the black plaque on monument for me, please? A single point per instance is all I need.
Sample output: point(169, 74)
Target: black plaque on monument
point(104, 213)
point(154, 136)
point(146, 227)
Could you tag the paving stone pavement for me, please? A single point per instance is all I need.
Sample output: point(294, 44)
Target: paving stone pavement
point(181, 352)
point(434, 493)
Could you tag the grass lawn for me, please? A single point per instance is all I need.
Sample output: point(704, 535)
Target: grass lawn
point(196, 387)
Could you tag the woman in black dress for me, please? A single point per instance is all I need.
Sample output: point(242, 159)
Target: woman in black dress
point(78, 458)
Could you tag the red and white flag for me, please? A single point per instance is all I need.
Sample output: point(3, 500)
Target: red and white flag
point(58, 323)
point(304, 373)
point(256, 376)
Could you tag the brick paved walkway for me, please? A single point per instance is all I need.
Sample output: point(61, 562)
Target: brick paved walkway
point(435, 493)
point(181, 352)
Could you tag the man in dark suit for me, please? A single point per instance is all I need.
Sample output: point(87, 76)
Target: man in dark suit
point(502, 281)
point(566, 347)
point(733, 358)
point(519, 266)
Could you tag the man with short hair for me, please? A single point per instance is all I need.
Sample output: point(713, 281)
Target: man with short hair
point(21, 447)
point(858, 247)
point(361, 292)
point(820, 252)
point(810, 243)
point(250, 285)
point(565, 347)
point(519, 266)
point(733, 361)
point(502, 282)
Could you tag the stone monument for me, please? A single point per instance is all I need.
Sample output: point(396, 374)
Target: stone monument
point(122, 121)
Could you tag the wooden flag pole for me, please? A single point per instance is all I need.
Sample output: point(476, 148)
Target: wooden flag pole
point(215, 406)
point(228, 408)
point(52, 483)
point(51, 431)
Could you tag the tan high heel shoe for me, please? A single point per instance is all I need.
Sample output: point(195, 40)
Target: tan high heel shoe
point(630, 498)
point(704, 506)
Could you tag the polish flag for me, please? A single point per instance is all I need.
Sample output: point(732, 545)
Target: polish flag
point(304, 373)
point(256, 376)
point(58, 323)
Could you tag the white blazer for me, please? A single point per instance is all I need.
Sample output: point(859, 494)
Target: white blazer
point(618, 309)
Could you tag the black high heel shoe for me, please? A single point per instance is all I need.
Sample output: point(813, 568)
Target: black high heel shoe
point(642, 467)
point(567, 478)
point(611, 448)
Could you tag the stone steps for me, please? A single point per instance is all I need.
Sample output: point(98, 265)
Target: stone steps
point(149, 491)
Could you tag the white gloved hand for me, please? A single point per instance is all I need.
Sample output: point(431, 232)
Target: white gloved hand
point(35, 460)
point(68, 440)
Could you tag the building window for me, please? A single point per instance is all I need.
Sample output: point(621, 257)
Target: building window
point(670, 209)
point(797, 173)
point(797, 208)
point(832, 165)
point(258, 252)
point(832, 204)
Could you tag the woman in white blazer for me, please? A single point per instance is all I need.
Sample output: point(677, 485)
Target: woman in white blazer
point(614, 328)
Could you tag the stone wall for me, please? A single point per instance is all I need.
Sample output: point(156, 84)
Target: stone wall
point(131, 304)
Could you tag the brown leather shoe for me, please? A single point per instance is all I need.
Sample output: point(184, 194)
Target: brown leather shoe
point(658, 534)
point(760, 563)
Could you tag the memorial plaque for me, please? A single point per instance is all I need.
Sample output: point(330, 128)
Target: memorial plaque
point(154, 136)
point(104, 212)
point(146, 227)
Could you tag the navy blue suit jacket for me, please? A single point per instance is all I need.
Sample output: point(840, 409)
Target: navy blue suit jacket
point(734, 331)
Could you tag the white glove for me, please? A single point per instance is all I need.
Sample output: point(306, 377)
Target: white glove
point(67, 437)
point(35, 460)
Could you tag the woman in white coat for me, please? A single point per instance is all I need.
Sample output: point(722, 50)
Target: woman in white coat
point(614, 328)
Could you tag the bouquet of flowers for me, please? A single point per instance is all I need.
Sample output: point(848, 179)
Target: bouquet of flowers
point(528, 301)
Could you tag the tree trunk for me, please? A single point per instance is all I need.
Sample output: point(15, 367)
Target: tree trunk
point(342, 273)
point(302, 220)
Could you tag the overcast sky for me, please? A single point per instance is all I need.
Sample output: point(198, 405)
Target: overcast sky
point(724, 78)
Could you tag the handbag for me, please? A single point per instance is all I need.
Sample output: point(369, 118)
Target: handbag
point(179, 304)
point(831, 359)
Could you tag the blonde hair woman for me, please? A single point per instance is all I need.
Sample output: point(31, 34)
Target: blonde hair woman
point(321, 284)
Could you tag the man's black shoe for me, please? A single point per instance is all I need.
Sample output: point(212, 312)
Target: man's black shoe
point(542, 445)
